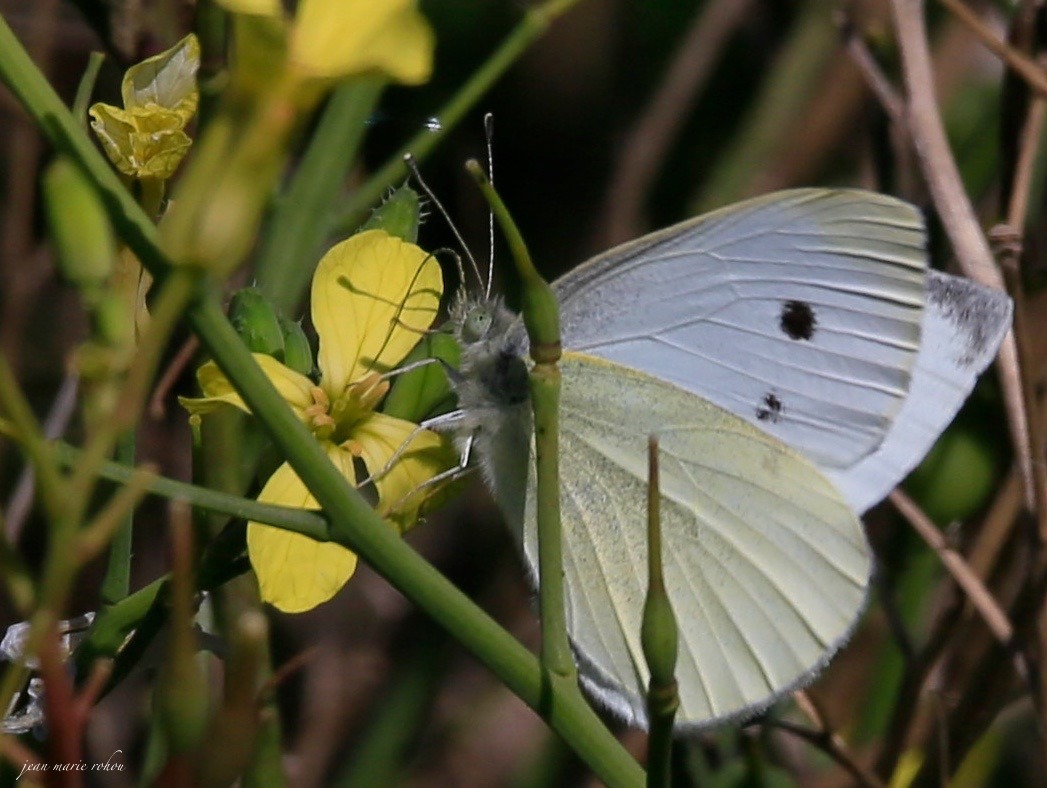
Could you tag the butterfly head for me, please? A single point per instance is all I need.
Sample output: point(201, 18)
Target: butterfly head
point(484, 323)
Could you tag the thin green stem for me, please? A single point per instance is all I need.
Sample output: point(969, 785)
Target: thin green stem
point(30, 87)
point(117, 581)
point(144, 611)
point(87, 87)
point(176, 291)
point(96, 534)
point(541, 316)
point(18, 581)
point(301, 219)
point(535, 22)
point(24, 428)
point(300, 521)
point(355, 525)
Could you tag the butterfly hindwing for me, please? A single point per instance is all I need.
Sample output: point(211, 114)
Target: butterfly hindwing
point(766, 566)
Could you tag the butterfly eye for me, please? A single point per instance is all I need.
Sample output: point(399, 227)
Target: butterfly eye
point(476, 325)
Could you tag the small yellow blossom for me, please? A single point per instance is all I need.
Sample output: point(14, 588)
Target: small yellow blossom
point(147, 139)
point(337, 39)
point(373, 296)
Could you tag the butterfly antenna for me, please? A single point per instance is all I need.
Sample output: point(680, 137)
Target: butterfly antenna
point(489, 134)
point(412, 165)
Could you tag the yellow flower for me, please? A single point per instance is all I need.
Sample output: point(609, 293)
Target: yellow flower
point(373, 296)
point(146, 139)
point(331, 40)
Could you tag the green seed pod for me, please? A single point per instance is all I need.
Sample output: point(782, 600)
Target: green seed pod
point(298, 355)
point(399, 215)
point(80, 227)
point(256, 322)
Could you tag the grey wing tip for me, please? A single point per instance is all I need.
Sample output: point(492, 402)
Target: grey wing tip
point(981, 315)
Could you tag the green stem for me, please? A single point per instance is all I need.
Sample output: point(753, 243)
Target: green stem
point(301, 219)
point(117, 581)
point(18, 580)
point(21, 424)
point(380, 756)
point(144, 611)
point(177, 289)
point(300, 521)
point(30, 87)
point(535, 22)
point(541, 316)
point(355, 525)
point(87, 87)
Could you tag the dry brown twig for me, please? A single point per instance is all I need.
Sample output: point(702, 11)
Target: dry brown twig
point(182, 359)
point(645, 146)
point(980, 596)
point(827, 740)
point(955, 209)
point(1030, 71)
point(875, 79)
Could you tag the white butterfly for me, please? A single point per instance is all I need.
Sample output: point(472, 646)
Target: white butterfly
point(796, 359)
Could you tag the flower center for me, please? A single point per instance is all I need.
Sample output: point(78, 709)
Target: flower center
point(356, 403)
point(317, 415)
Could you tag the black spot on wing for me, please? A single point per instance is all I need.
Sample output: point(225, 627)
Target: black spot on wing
point(798, 320)
point(770, 408)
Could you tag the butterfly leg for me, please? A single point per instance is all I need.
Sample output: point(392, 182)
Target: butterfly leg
point(447, 421)
point(451, 474)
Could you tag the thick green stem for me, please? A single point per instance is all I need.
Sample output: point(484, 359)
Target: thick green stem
point(535, 22)
point(541, 316)
point(356, 525)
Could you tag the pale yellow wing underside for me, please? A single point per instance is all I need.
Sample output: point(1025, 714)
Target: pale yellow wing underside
point(766, 566)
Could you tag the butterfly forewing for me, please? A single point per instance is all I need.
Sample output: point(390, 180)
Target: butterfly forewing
point(799, 311)
point(963, 326)
point(766, 565)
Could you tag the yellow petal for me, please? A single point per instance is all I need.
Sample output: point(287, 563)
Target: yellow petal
point(146, 142)
point(333, 39)
point(373, 297)
point(400, 491)
point(259, 53)
point(295, 388)
point(254, 7)
point(167, 80)
point(296, 573)
point(114, 127)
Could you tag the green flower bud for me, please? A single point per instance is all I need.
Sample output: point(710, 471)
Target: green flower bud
point(256, 321)
point(298, 355)
point(399, 215)
point(80, 227)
